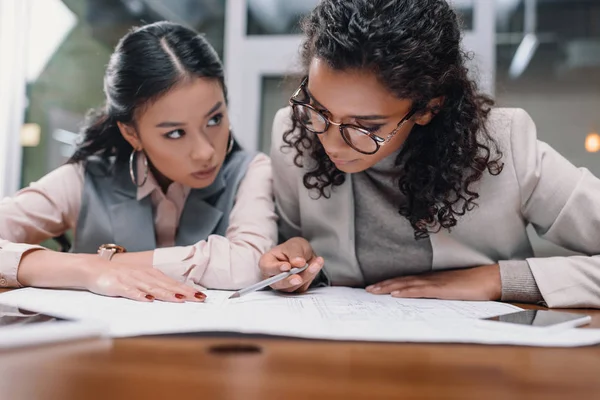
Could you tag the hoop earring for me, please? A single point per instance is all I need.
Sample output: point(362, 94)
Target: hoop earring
point(230, 145)
point(131, 168)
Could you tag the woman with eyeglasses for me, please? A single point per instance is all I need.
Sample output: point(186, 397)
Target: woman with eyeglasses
point(392, 172)
point(158, 186)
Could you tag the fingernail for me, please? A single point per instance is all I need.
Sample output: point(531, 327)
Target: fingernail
point(179, 296)
point(296, 281)
point(375, 288)
point(370, 287)
point(284, 267)
point(200, 295)
point(395, 293)
point(298, 259)
point(149, 297)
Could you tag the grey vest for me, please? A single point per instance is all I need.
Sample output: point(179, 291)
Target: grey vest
point(111, 213)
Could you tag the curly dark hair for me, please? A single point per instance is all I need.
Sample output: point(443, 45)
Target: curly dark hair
point(413, 47)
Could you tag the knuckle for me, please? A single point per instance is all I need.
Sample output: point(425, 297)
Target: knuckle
point(132, 293)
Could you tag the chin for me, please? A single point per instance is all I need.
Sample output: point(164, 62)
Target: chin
point(352, 168)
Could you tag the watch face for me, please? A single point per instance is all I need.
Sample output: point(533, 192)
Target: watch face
point(115, 248)
point(108, 250)
point(106, 253)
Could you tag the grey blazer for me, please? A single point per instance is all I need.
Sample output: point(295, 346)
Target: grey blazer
point(111, 213)
point(537, 186)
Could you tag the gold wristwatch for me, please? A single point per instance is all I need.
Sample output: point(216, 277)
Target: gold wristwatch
point(107, 251)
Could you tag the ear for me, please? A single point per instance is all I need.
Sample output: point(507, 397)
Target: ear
point(433, 107)
point(130, 135)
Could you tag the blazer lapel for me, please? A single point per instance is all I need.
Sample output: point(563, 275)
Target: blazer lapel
point(133, 224)
point(132, 220)
point(200, 218)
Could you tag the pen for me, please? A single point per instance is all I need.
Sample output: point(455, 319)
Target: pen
point(267, 282)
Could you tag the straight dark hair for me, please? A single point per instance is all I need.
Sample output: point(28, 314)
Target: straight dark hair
point(147, 63)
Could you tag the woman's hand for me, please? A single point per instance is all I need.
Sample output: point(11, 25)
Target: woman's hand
point(140, 283)
point(480, 283)
point(296, 252)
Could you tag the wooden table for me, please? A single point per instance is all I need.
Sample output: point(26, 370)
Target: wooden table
point(245, 368)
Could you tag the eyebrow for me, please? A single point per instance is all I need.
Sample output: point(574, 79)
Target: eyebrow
point(174, 124)
point(372, 117)
point(170, 124)
point(214, 108)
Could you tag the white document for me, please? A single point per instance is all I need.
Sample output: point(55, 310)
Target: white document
point(326, 313)
point(18, 329)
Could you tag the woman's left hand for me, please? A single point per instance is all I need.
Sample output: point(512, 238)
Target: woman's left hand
point(480, 283)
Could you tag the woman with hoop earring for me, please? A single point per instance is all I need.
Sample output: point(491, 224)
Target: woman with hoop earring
point(160, 197)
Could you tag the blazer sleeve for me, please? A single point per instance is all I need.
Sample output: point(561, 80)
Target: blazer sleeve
point(562, 203)
point(285, 178)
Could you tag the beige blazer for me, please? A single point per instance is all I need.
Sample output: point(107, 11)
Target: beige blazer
point(537, 186)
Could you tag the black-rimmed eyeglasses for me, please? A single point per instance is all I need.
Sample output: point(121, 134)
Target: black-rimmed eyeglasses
point(358, 138)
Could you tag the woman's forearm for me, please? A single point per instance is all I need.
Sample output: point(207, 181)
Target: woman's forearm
point(45, 268)
point(141, 258)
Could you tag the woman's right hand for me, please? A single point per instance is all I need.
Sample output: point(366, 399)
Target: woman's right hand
point(142, 283)
point(296, 252)
point(139, 281)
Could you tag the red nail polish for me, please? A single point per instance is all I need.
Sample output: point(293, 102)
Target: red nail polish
point(200, 295)
point(179, 296)
point(149, 297)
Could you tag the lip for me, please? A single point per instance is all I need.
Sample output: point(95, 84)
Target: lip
point(338, 161)
point(204, 173)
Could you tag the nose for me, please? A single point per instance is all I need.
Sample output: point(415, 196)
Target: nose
point(202, 150)
point(332, 141)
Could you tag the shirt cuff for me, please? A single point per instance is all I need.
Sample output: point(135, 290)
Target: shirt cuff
point(176, 263)
point(518, 283)
point(171, 255)
point(10, 258)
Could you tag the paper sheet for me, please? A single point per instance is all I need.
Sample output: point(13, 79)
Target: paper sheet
point(18, 329)
point(326, 313)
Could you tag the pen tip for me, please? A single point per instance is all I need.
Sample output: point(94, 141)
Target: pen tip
point(234, 296)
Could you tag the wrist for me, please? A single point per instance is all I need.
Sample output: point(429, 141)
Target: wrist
point(109, 250)
point(140, 259)
point(85, 268)
point(495, 282)
point(119, 258)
